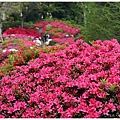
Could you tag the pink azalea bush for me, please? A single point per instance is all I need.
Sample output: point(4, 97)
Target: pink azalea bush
point(57, 24)
point(61, 31)
point(17, 44)
point(65, 27)
point(40, 24)
point(3, 56)
point(16, 52)
point(81, 81)
point(21, 33)
point(63, 40)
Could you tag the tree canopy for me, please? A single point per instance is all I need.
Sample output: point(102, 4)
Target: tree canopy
point(98, 20)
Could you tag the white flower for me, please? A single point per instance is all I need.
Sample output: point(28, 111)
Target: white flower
point(12, 34)
point(38, 42)
point(12, 50)
point(32, 37)
point(48, 41)
point(31, 47)
point(4, 50)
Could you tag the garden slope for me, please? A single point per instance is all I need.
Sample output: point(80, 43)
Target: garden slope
point(80, 81)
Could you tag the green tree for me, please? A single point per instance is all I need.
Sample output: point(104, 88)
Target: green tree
point(67, 11)
point(102, 20)
point(5, 9)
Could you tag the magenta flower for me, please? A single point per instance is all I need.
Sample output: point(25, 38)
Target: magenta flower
point(111, 106)
point(10, 110)
point(10, 98)
point(93, 115)
point(2, 116)
point(105, 111)
point(4, 107)
point(16, 106)
point(102, 94)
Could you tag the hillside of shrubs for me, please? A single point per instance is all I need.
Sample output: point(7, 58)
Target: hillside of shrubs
point(67, 78)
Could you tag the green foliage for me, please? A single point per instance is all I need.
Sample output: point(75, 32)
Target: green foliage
point(1, 51)
point(102, 21)
point(5, 42)
point(6, 69)
point(91, 42)
point(112, 87)
point(60, 30)
point(28, 24)
point(52, 43)
point(11, 59)
point(49, 27)
point(66, 10)
point(104, 81)
point(12, 24)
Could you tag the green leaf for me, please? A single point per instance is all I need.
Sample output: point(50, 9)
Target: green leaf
point(112, 87)
point(49, 27)
point(91, 42)
point(104, 81)
point(102, 90)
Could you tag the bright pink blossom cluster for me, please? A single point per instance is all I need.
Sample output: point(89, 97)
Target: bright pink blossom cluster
point(58, 24)
point(28, 43)
point(13, 45)
point(63, 40)
point(80, 81)
point(66, 28)
point(40, 24)
point(4, 55)
point(20, 33)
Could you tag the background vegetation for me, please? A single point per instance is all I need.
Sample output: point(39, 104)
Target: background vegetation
point(98, 20)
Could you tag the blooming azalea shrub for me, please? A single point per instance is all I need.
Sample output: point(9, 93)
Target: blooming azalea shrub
point(81, 81)
point(15, 51)
point(64, 40)
point(14, 43)
point(20, 52)
point(40, 24)
point(57, 26)
point(9, 59)
point(65, 27)
point(21, 33)
point(61, 31)
point(4, 55)
point(4, 66)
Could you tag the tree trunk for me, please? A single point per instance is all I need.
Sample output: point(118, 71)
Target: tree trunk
point(1, 39)
point(84, 14)
point(85, 18)
point(22, 22)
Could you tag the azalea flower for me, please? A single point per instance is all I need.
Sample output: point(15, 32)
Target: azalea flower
point(105, 111)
